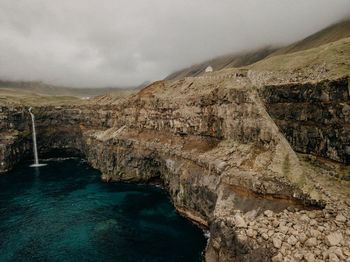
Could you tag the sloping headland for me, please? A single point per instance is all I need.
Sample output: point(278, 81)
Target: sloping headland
point(257, 155)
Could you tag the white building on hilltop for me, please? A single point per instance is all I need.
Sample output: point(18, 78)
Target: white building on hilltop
point(209, 69)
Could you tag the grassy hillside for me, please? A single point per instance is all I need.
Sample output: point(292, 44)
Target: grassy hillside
point(46, 89)
point(330, 34)
point(113, 97)
point(335, 57)
point(227, 61)
point(11, 96)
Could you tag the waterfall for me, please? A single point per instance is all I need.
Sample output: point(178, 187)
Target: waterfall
point(35, 149)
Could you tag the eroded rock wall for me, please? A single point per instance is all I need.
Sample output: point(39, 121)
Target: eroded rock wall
point(215, 153)
point(14, 136)
point(314, 117)
point(59, 129)
point(198, 193)
point(211, 144)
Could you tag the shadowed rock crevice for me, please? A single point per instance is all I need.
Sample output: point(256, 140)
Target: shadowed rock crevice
point(314, 117)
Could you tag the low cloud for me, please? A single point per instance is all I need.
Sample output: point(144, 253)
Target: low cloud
point(122, 43)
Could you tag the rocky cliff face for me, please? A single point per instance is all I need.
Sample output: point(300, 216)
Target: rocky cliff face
point(58, 129)
point(314, 117)
point(210, 143)
point(14, 139)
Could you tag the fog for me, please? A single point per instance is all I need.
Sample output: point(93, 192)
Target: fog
point(91, 43)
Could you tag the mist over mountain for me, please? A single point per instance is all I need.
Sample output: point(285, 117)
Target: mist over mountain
point(124, 43)
point(329, 34)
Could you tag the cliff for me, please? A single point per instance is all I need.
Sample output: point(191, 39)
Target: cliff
point(314, 118)
point(259, 156)
point(212, 144)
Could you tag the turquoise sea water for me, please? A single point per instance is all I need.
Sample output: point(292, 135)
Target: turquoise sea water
point(63, 212)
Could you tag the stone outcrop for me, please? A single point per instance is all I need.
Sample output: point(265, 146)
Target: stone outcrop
point(314, 117)
point(59, 128)
point(213, 146)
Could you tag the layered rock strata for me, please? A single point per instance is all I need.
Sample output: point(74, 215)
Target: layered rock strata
point(213, 146)
point(314, 117)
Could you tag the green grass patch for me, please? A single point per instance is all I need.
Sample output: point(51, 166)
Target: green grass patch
point(302, 180)
point(8, 97)
point(225, 142)
point(335, 55)
point(286, 165)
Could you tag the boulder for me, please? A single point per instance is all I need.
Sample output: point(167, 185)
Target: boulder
point(277, 243)
point(268, 213)
point(333, 239)
point(311, 242)
point(292, 240)
point(239, 222)
point(309, 257)
point(340, 218)
point(333, 257)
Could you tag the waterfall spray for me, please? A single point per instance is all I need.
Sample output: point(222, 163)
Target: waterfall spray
point(35, 149)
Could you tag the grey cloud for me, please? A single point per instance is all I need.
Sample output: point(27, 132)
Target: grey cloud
point(126, 42)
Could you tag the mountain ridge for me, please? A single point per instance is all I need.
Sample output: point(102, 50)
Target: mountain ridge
point(331, 33)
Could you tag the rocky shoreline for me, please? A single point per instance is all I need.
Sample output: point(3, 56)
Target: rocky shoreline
point(260, 234)
point(222, 156)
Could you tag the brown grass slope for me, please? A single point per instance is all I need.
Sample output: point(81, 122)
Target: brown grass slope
point(335, 56)
point(10, 96)
point(226, 61)
point(330, 34)
point(47, 89)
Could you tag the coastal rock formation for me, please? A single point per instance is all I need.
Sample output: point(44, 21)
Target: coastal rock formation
point(213, 145)
point(314, 117)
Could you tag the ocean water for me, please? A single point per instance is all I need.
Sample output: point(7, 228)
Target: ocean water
point(63, 212)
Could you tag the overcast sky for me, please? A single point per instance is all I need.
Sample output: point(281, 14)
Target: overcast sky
point(126, 42)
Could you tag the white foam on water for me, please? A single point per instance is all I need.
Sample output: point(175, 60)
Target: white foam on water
point(38, 165)
point(61, 159)
point(207, 234)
